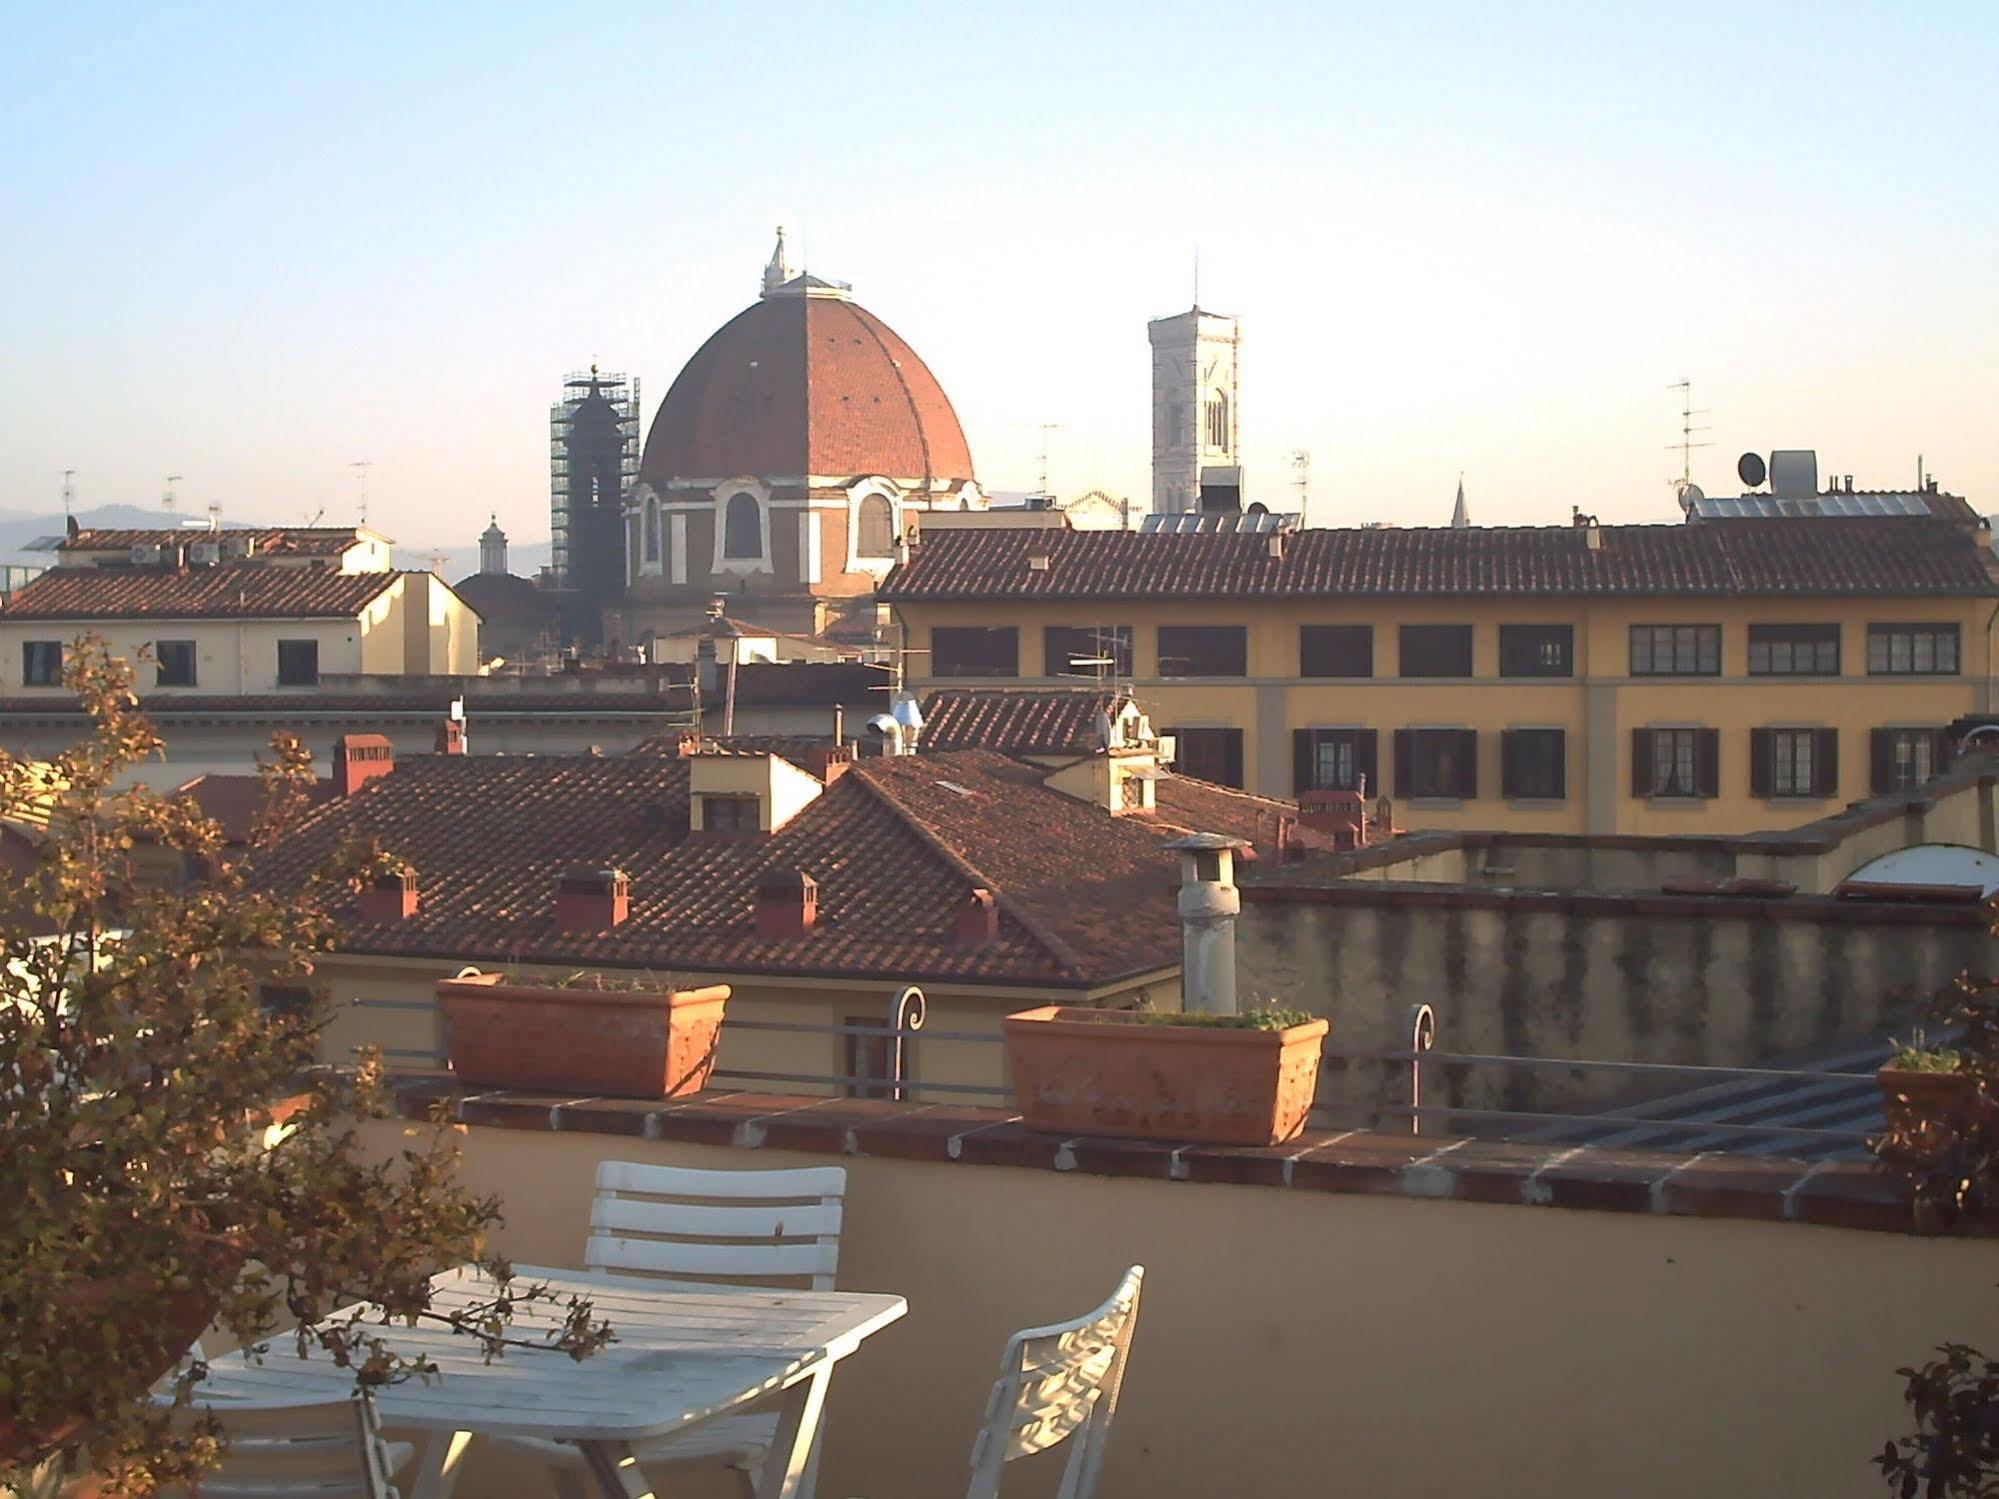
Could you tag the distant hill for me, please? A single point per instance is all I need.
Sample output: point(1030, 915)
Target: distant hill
point(20, 529)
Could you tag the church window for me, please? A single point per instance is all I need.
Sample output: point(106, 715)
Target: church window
point(874, 528)
point(1218, 420)
point(742, 527)
point(652, 530)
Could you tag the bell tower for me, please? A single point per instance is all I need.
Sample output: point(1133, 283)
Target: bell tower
point(1196, 415)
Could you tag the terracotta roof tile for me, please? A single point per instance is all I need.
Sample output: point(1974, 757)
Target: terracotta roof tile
point(286, 541)
point(247, 590)
point(1058, 722)
point(895, 845)
point(1884, 556)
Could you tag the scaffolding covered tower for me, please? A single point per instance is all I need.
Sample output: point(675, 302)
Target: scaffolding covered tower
point(593, 444)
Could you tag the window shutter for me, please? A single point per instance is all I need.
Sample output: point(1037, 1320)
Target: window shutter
point(1707, 761)
point(1179, 747)
point(1232, 758)
point(1364, 761)
point(1760, 745)
point(1405, 743)
point(1301, 761)
point(1942, 753)
point(1509, 769)
point(1467, 764)
point(1641, 761)
point(1825, 762)
point(1881, 760)
point(1560, 742)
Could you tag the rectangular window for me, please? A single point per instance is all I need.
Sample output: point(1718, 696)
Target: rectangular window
point(173, 663)
point(1336, 650)
point(1533, 764)
point(1676, 650)
point(1209, 755)
point(1436, 650)
point(1905, 758)
point(870, 1060)
point(283, 999)
point(1086, 651)
point(1912, 650)
point(1333, 760)
point(1537, 650)
point(1793, 762)
point(975, 651)
point(298, 663)
point(41, 663)
point(1676, 762)
point(730, 815)
point(1794, 650)
point(1203, 651)
point(1436, 763)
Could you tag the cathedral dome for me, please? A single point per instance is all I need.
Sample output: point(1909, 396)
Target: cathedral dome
point(806, 381)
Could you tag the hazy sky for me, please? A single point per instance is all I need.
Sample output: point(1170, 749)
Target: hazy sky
point(252, 244)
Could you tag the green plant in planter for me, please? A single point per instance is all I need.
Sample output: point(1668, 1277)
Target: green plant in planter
point(144, 1192)
point(1917, 1055)
point(1247, 1020)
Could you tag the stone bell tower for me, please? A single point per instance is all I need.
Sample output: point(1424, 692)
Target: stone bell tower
point(1196, 416)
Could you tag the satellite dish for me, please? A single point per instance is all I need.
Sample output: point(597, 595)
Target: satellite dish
point(1750, 467)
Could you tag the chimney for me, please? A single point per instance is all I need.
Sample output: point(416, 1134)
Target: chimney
point(977, 920)
point(1209, 904)
point(1276, 546)
point(451, 737)
point(830, 762)
point(388, 897)
point(592, 899)
point(359, 759)
point(1037, 557)
point(787, 905)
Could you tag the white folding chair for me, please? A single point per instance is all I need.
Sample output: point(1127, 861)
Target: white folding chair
point(324, 1449)
point(705, 1231)
point(1058, 1382)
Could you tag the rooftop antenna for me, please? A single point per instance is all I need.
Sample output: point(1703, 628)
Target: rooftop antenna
point(214, 517)
point(167, 499)
point(437, 561)
point(1301, 475)
point(1197, 278)
point(361, 467)
point(1046, 428)
point(69, 488)
point(1686, 444)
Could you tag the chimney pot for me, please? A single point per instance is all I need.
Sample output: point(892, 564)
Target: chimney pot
point(592, 900)
point(359, 759)
point(451, 737)
point(977, 920)
point(388, 897)
point(787, 905)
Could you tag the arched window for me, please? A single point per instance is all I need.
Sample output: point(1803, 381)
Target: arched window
point(632, 547)
point(874, 528)
point(652, 530)
point(1218, 420)
point(742, 528)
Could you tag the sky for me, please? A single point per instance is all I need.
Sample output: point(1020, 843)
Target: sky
point(253, 245)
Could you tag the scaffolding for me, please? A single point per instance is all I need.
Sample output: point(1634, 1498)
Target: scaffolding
point(593, 446)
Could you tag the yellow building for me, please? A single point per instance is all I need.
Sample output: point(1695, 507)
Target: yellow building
point(1717, 676)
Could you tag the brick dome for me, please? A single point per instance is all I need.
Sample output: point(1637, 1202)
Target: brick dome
point(805, 381)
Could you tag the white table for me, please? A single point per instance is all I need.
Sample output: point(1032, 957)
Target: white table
point(681, 1356)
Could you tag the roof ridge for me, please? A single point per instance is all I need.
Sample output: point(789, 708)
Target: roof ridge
point(927, 835)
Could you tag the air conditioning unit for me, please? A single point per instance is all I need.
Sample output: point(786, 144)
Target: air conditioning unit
point(238, 546)
point(145, 556)
point(205, 553)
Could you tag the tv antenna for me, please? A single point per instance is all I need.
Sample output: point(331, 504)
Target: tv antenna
point(167, 499)
point(1301, 476)
point(361, 467)
point(1686, 444)
point(69, 490)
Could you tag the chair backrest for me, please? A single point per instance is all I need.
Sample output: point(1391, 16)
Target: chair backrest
point(1055, 1383)
point(325, 1449)
point(718, 1227)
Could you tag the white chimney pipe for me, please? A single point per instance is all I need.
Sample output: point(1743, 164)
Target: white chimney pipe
point(1209, 904)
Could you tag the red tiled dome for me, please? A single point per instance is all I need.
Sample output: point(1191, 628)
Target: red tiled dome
point(805, 384)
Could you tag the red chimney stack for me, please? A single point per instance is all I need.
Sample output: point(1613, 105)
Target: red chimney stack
point(451, 737)
point(388, 897)
point(592, 900)
point(977, 921)
point(359, 759)
point(787, 905)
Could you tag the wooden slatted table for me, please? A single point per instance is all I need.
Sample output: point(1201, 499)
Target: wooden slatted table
point(682, 1356)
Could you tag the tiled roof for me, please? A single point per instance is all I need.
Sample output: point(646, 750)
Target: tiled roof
point(287, 541)
point(364, 706)
point(242, 590)
point(805, 385)
point(1060, 722)
point(1192, 806)
point(1896, 557)
point(895, 845)
point(234, 801)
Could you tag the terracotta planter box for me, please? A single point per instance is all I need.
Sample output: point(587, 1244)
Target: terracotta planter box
point(581, 1041)
point(1109, 1072)
point(1928, 1101)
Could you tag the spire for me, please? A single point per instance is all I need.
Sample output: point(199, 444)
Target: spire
point(1460, 517)
point(779, 270)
